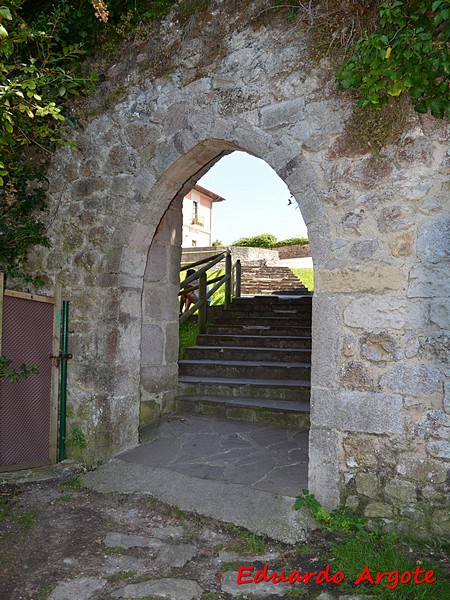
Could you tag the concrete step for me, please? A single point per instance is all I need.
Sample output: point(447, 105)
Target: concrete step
point(253, 353)
point(236, 387)
point(245, 368)
point(286, 414)
point(266, 341)
point(297, 331)
point(253, 321)
point(272, 300)
point(266, 311)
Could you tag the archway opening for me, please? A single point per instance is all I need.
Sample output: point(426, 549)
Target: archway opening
point(259, 373)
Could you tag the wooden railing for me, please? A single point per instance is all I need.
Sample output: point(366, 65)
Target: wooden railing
point(231, 280)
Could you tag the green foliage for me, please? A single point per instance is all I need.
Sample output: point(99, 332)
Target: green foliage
point(264, 240)
point(268, 240)
point(217, 243)
point(409, 52)
point(41, 47)
point(340, 519)
point(11, 374)
point(291, 242)
point(39, 70)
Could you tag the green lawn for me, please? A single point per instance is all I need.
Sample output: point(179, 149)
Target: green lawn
point(306, 276)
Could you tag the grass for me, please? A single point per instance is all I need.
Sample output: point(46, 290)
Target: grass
point(248, 543)
point(188, 335)
point(73, 483)
point(120, 576)
point(188, 329)
point(306, 276)
point(385, 554)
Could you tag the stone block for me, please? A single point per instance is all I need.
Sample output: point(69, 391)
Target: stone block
point(150, 410)
point(379, 347)
point(417, 381)
point(402, 244)
point(429, 282)
point(345, 281)
point(159, 378)
point(389, 311)
point(440, 313)
point(440, 523)
point(439, 448)
point(378, 510)
point(392, 218)
point(156, 269)
point(355, 374)
point(152, 345)
point(422, 470)
point(363, 250)
point(402, 491)
point(433, 239)
point(447, 397)
point(367, 484)
point(141, 134)
point(160, 302)
point(282, 113)
point(324, 466)
point(325, 340)
point(366, 412)
point(314, 112)
point(172, 341)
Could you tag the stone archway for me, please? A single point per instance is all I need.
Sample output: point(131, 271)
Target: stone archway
point(378, 230)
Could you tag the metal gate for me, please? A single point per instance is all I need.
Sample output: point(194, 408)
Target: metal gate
point(28, 408)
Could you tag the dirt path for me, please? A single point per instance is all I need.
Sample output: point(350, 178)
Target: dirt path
point(60, 542)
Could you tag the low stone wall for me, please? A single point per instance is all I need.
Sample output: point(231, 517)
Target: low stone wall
point(294, 251)
point(246, 255)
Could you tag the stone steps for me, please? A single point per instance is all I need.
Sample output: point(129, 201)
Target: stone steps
point(266, 341)
point(294, 330)
point(253, 364)
point(244, 368)
point(256, 410)
point(239, 353)
point(270, 280)
point(235, 387)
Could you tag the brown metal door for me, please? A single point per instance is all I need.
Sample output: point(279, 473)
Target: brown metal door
point(26, 405)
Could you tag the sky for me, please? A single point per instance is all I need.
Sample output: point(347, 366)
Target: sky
point(256, 200)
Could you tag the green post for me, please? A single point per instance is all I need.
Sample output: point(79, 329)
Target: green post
point(228, 281)
point(63, 380)
point(203, 307)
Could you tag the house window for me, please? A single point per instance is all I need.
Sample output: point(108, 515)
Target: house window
point(194, 242)
point(195, 211)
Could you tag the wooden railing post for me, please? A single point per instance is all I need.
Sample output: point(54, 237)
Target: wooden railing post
point(203, 307)
point(238, 279)
point(228, 281)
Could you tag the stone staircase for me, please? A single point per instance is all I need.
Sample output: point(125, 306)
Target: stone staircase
point(270, 280)
point(252, 364)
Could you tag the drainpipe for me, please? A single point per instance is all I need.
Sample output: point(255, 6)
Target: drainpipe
point(63, 357)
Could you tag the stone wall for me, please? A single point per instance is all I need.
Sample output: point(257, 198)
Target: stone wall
point(379, 237)
point(294, 251)
point(247, 255)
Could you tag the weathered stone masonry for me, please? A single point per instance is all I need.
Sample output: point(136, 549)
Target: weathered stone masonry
point(380, 240)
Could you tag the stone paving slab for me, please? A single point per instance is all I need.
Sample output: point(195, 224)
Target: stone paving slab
point(257, 510)
point(273, 459)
